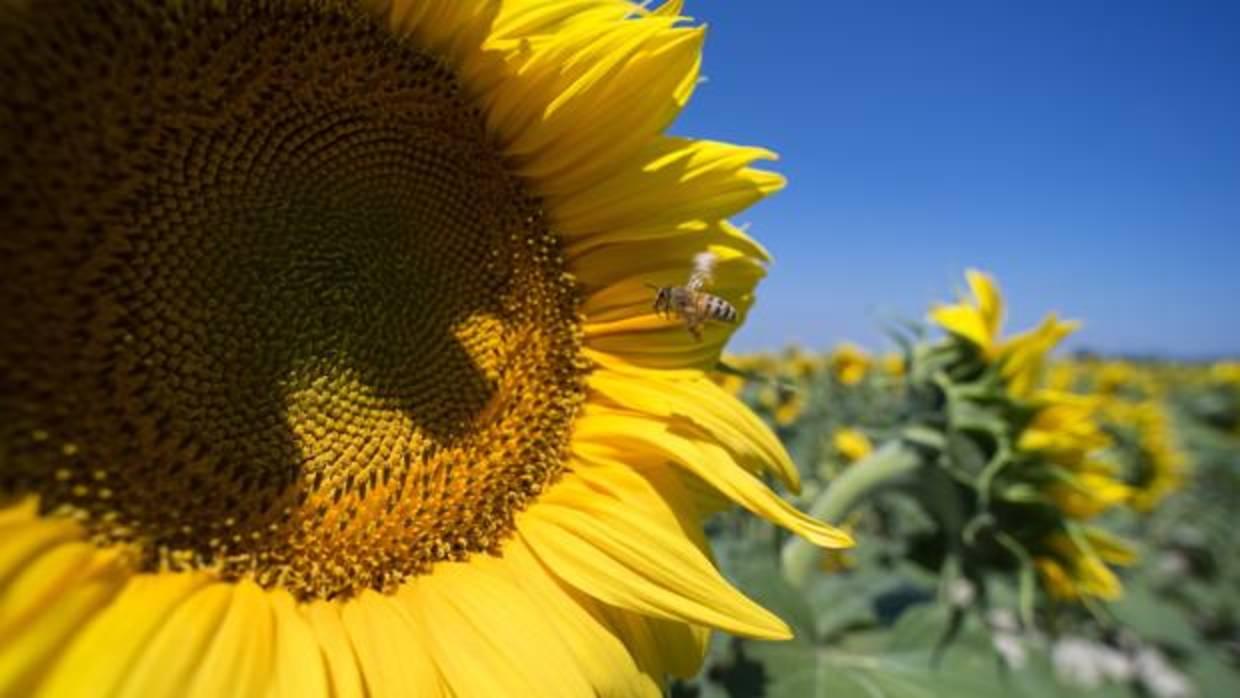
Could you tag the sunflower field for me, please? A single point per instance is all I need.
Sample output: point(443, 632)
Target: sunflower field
point(1027, 524)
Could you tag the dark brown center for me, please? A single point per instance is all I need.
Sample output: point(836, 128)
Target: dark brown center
point(272, 302)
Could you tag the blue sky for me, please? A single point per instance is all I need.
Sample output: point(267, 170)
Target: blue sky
point(1086, 152)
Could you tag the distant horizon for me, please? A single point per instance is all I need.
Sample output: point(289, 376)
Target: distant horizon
point(1066, 351)
point(876, 340)
point(1086, 154)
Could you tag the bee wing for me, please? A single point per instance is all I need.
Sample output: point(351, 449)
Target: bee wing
point(698, 280)
point(703, 263)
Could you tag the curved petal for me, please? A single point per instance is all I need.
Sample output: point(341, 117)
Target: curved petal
point(300, 671)
point(391, 647)
point(177, 648)
point(612, 430)
point(240, 660)
point(627, 75)
point(665, 648)
point(44, 604)
point(479, 616)
point(617, 551)
point(103, 651)
point(452, 29)
point(343, 672)
point(602, 654)
point(673, 180)
point(708, 407)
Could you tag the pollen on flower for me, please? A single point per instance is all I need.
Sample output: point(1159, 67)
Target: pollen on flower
point(271, 282)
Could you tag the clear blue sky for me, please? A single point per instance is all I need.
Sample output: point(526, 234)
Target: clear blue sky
point(1086, 152)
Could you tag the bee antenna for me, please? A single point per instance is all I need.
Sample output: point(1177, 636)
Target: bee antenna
point(652, 286)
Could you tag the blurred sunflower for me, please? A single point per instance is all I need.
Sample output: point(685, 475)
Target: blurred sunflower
point(851, 445)
point(798, 364)
point(1064, 375)
point(329, 364)
point(979, 321)
point(1050, 472)
point(849, 363)
point(791, 405)
point(1157, 466)
point(893, 364)
point(1226, 372)
point(1075, 566)
point(1064, 433)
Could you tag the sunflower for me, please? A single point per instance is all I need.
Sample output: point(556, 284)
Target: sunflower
point(979, 321)
point(1157, 467)
point(893, 364)
point(849, 363)
point(1064, 432)
point(851, 445)
point(1048, 473)
point(1074, 566)
point(329, 365)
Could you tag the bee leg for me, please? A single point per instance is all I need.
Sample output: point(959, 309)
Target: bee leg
point(695, 329)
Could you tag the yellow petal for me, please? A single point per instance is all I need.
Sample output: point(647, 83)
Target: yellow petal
point(391, 647)
point(39, 581)
point(299, 662)
point(671, 181)
point(450, 29)
point(102, 653)
point(606, 430)
point(667, 261)
point(524, 18)
point(851, 444)
point(480, 617)
point(175, 651)
point(966, 322)
point(1056, 578)
point(1096, 579)
point(627, 78)
point(24, 510)
point(625, 557)
point(989, 300)
point(1024, 356)
point(663, 647)
point(601, 654)
point(979, 321)
point(47, 604)
point(240, 660)
point(343, 672)
point(708, 407)
point(1110, 548)
point(23, 539)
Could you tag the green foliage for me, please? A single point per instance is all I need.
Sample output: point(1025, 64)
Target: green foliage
point(933, 601)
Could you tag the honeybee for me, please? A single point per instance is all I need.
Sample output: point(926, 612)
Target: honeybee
point(691, 302)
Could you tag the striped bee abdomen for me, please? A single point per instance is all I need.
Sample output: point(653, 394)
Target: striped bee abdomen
point(719, 309)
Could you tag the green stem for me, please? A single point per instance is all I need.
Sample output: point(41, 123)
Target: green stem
point(887, 466)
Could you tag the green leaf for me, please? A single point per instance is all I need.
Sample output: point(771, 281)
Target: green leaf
point(1212, 677)
point(1153, 618)
point(798, 671)
point(842, 601)
point(907, 665)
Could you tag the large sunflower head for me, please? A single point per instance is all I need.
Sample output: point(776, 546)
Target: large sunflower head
point(328, 354)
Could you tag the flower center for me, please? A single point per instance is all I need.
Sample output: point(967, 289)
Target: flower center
point(273, 304)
